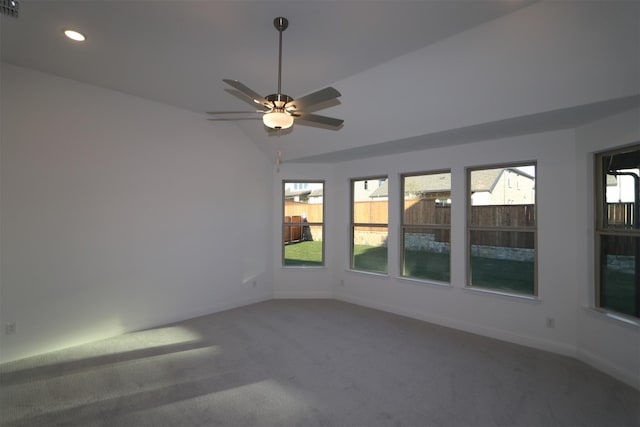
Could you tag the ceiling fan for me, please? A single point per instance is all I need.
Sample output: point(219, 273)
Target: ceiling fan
point(279, 110)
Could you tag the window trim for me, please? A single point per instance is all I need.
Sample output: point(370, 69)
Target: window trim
point(403, 226)
point(310, 224)
point(469, 228)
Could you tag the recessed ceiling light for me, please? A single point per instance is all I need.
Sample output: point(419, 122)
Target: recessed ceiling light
point(74, 35)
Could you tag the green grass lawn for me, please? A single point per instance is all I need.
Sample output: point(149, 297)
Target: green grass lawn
point(503, 275)
point(427, 265)
point(619, 292)
point(370, 258)
point(303, 254)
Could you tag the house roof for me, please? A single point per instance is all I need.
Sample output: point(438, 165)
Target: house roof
point(483, 180)
point(289, 194)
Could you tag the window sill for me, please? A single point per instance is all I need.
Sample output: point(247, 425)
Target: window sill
point(368, 273)
point(303, 267)
point(614, 317)
point(423, 282)
point(519, 297)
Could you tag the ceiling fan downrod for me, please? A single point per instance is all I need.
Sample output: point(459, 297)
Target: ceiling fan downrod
point(281, 24)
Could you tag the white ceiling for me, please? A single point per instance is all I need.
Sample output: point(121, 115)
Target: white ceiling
point(177, 52)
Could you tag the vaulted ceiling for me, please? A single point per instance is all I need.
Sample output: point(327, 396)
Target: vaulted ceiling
point(178, 52)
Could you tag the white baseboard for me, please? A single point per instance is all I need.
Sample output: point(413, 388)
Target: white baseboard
point(630, 378)
point(499, 334)
point(302, 294)
point(29, 350)
point(204, 311)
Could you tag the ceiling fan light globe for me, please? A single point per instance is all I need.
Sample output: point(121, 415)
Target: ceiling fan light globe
point(277, 120)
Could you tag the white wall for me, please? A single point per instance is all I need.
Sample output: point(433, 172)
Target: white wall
point(119, 214)
point(303, 282)
point(549, 56)
point(513, 319)
point(603, 342)
point(563, 263)
point(544, 57)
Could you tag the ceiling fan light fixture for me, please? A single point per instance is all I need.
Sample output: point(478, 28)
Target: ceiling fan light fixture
point(277, 120)
point(74, 35)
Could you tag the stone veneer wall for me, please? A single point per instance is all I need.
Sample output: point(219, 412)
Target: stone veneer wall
point(423, 241)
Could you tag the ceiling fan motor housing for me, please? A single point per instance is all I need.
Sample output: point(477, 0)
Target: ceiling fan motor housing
point(278, 100)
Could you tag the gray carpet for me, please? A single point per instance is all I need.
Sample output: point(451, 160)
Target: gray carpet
point(309, 363)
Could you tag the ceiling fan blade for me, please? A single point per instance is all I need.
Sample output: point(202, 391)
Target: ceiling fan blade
point(215, 113)
point(258, 99)
point(233, 119)
point(315, 118)
point(307, 101)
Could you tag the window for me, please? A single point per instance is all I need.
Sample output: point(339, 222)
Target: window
point(303, 224)
point(502, 228)
point(369, 225)
point(618, 231)
point(426, 226)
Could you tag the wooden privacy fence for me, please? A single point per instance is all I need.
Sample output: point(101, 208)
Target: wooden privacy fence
point(620, 214)
point(503, 216)
point(295, 228)
point(428, 212)
point(313, 211)
point(292, 233)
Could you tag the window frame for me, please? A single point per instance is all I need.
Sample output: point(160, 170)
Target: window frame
point(424, 226)
point(531, 229)
point(302, 224)
point(599, 229)
point(353, 225)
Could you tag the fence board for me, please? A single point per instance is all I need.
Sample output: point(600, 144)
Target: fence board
point(503, 215)
point(426, 211)
point(313, 211)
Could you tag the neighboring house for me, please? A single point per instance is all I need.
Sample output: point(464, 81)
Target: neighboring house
point(371, 189)
point(431, 186)
point(304, 192)
point(297, 195)
point(622, 188)
point(509, 186)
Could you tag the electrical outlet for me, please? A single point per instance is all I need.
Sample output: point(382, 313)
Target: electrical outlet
point(551, 322)
point(10, 328)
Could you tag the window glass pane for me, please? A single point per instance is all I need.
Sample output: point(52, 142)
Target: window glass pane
point(302, 224)
point(370, 201)
point(305, 203)
point(370, 249)
point(503, 260)
point(426, 253)
point(307, 251)
point(619, 274)
point(621, 184)
point(427, 199)
point(503, 197)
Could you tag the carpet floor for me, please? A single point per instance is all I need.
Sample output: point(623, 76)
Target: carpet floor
point(309, 363)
